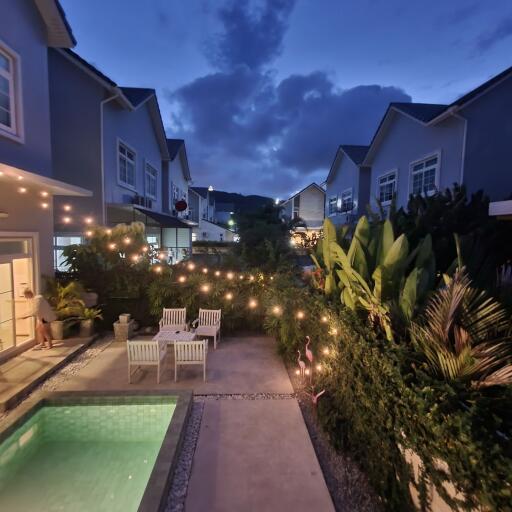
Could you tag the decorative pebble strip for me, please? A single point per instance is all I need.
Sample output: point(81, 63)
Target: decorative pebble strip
point(247, 396)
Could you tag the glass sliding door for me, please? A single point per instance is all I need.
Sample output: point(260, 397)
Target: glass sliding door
point(16, 274)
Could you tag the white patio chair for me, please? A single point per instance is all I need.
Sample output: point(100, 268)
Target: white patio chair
point(208, 324)
point(146, 353)
point(174, 319)
point(190, 352)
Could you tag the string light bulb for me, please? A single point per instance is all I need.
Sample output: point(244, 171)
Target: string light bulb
point(67, 207)
point(108, 231)
point(300, 315)
point(22, 190)
point(297, 372)
point(191, 266)
point(45, 206)
point(240, 277)
point(88, 234)
point(127, 241)
point(88, 220)
point(306, 371)
point(67, 220)
point(334, 332)
point(182, 279)
point(229, 296)
point(157, 268)
point(112, 246)
point(318, 367)
point(325, 351)
point(253, 303)
point(230, 275)
point(135, 258)
point(145, 248)
point(251, 278)
point(277, 310)
point(324, 319)
point(205, 270)
point(217, 273)
point(44, 193)
point(205, 288)
point(162, 256)
point(19, 178)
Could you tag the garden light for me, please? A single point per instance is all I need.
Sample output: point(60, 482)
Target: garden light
point(229, 296)
point(253, 303)
point(182, 279)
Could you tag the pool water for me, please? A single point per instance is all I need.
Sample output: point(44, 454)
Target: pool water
point(86, 457)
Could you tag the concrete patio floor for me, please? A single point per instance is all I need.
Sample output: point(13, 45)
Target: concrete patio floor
point(252, 454)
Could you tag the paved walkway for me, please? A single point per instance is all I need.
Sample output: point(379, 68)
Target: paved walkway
point(20, 374)
point(252, 454)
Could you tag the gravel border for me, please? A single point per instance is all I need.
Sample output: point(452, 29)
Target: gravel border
point(348, 485)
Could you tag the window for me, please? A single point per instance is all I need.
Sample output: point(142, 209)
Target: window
point(387, 187)
point(332, 205)
point(151, 181)
point(59, 244)
point(296, 206)
point(347, 201)
point(126, 166)
point(424, 176)
point(9, 90)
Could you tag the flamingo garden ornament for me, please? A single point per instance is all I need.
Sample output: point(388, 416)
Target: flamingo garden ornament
point(315, 398)
point(309, 354)
point(302, 365)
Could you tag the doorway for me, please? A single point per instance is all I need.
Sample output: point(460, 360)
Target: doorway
point(16, 274)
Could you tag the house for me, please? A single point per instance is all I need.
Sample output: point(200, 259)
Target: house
point(420, 148)
point(111, 140)
point(347, 185)
point(308, 205)
point(203, 213)
point(29, 186)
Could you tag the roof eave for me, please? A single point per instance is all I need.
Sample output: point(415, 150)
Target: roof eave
point(58, 29)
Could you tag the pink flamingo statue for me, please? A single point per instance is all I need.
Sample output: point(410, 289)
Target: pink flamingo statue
point(309, 354)
point(302, 365)
point(315, 398)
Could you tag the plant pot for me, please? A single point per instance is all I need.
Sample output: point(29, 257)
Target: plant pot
point(57, 329)
point(86, 328)
point(124, 318)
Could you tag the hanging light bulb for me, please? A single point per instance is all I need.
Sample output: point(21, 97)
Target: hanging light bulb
point(112, 246)
point(66, 220)
point(217, 273)
point(182, 279)
point(191, 266)
point(145, 248)
point(127, 241)
point(205, 270)
point(22, 190)
point(300, 315)
point(157, 268)
point(205, 288)
point(45, 206)
point(67, 207)
point(325, 351)
point(230, 275)
point(44, 193)
point(277, 310)
point(229, 296)
point(253, 303)
point(88, 220)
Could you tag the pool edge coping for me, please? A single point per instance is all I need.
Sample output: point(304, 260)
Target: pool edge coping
point(160, 480)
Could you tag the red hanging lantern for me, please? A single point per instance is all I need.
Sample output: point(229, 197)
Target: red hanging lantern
point(180, 205)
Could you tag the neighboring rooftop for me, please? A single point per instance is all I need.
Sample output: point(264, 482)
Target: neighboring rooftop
point(424, 112)
point(355, 153)
point(174, 145)
point(137, 95)
point(90, 67)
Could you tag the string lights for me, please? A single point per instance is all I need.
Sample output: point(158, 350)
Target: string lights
point(67, 207)
point(229, 296)
point(22, 190)
point(67, 220)
point(45, 206)
point(191, 266)
point(205, 288)
point(112, 246)
point(127, 241)
point(182, 279)
point(157, 269)
point(205, 271)
point(300, 315)
point(277, 310)
point(217, 273)
point(230, 275)
point(253, 303)
point(88, 220)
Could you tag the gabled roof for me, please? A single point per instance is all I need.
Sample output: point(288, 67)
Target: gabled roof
point(315, 185)
point(201, 191)
point(138, 95)
point(58, 29)
point(355, 153)
point(108, 82)
point(423, 112)
point(177, 147)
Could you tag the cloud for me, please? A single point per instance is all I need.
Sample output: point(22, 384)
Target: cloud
point(251, 36)
point(247, 131)
point(488, 39)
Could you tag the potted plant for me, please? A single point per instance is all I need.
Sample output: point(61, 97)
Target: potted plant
point(67, 304)
point(89, 315)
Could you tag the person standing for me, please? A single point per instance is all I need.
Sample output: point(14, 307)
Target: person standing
point(44, 314)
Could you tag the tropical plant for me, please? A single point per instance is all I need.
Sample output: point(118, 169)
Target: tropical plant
point(374, 274)
point(464, 335)
point(65, 299)
point(91, 314)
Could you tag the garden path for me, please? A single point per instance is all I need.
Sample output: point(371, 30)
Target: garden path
point(253, 452)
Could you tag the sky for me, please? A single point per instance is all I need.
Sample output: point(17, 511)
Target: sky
point(264, 91)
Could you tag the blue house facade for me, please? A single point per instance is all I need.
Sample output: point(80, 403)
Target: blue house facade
point(29, 186)
point(114, 141)
point(347, 185)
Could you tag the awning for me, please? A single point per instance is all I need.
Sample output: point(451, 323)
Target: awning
point(163, 220)
point(50, 185)
point(501, 209)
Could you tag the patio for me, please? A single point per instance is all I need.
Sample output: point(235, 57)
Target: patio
point(253, 452)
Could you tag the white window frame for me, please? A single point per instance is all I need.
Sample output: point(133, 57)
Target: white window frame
point(385, 175)
point(146, 173)
point(118, 155)
point(436, 154)
point(344, 193)
point(333, 201)
point(16, 131)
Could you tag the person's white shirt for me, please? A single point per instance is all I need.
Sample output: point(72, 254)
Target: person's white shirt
point(42, 310)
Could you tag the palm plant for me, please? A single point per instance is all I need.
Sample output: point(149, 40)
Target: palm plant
point(65, 299)
point(464, 335)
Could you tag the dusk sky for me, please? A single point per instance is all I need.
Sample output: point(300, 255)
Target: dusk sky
point(264, 91)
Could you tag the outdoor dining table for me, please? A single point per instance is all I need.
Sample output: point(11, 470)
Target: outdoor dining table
point(172, 336)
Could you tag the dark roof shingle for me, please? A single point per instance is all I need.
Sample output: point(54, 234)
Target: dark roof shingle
point(174, 145)
point(424, 112)
point(355, 153)
point(137, 95)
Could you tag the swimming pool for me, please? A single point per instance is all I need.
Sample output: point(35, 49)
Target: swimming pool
point(70, 452)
